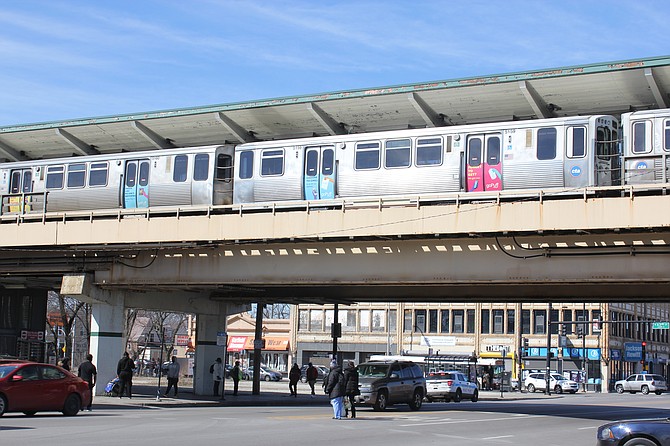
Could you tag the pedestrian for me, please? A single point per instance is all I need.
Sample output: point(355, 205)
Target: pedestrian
point(351, 387)
point(65, 363)
point(236, 375)
point(311, 374)
point(173, 376)
point(293, 378)
point(335, 387)
point(124, 370)
point(217, 375)
point(88, 373)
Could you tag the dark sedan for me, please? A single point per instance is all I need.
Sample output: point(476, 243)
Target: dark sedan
point(649, 432)
point(32, 387)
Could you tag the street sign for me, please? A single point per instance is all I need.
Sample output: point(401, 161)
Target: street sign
point(221, 338)
point(660, 325)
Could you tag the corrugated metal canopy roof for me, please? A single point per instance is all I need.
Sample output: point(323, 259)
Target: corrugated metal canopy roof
point(612, 88)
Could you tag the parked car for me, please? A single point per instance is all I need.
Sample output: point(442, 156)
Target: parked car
point(642, 382)
point(448, 386)
point(31, 387)
point(557, 383)
point(384, 383)
point(647, 432)
point(267, 374)
point(322, 371)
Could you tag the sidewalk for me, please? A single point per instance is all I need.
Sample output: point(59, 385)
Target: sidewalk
point(145, 394)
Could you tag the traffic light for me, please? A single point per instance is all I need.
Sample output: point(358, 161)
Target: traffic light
point(524, 346)
point(562, 330)
point(644, 355)
point(580, 331)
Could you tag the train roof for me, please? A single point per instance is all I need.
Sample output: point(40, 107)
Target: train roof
point(599, 88)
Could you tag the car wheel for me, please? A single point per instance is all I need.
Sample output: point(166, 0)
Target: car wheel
point(619, 389)
point(531, 388)
point(475, 396)
point(3, 405)
point(29, 413)
point(558, 389)
point(458, 397)
point(267, 377)
point(645, 390)
point(658, 392)
point(639, 442)
point(382, 401)
point(71, 406)
point(417, 400)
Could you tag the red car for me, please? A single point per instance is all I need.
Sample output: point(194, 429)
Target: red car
point(31, 387)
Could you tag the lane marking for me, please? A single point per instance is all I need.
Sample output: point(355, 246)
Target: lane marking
point(469, 421)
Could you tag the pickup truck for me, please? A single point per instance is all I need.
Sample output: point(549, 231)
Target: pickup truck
point(448, 386)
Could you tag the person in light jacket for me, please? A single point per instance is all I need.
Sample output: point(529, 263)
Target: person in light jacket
point(173, 376)
point(217, 375)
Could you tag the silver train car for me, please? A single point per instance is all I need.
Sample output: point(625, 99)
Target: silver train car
point(173, 177)
point(646, 146)
point(569, 152)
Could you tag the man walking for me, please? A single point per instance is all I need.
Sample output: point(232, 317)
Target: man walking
point(88, 373)
point(236, 374)
point(217, 375)
point(311, 374)
point(124, 370)
point(173, 376)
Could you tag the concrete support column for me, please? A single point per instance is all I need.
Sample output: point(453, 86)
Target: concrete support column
point(107, 340)
point(206, 350)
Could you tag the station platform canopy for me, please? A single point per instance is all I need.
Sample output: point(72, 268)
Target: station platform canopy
point(610, 88)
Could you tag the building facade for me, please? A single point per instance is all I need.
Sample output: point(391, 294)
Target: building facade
point(594, 344)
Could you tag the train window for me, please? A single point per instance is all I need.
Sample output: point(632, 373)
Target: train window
point(55, 177)
point(246, 164)
point(546, 144)
point(224, 167)
point(131, 174)
point(272, 162)
point(328, 162)
point(76, 175)
point(312, 163)
point(641, 137)
point(493, 150)
point(666, 145)
point(15, 184)
point(27, 182)
point(428, 151)
point(474, 152)
point(180, 172)
point(98, 174)
point(576, 142)
point(201, 167)
point(367, 155)
point(143, 179)
point(397, 153)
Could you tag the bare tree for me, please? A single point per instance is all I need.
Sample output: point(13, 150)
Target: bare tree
point(61, 315)
point(276, 311)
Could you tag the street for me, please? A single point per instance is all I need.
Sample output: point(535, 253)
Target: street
point(529, 420)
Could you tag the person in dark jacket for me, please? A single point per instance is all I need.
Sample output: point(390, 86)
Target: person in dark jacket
point(124, 370)
point(88, 373)
point(312, 374)
point(351, 387)
point(293, 378)
point(335, 387)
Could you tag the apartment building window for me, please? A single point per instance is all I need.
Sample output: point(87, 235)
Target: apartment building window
point(471, 321)
point(393, 320)
point(540, 321)
point(511, 321)
point(330, 318)
point(525, 321)
point(378, 320)
point(444, 326)
point(303, 320)
point(567, 316)
point(407, 321)
point(583, 316)
point(554, 318)
point(348, 320)
point(432, 321)
point(364, 322)
point(458, 321)
point(420, 321)
point(316, 320)
point(485, 316)
point(498, 321)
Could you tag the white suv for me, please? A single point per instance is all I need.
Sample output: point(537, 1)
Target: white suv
point(557, 383)
point(642, 382)
point(449, 386)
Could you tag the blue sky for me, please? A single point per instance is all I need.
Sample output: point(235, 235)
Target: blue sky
point(80, 59)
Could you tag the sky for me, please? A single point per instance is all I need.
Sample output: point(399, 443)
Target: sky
point(66, 59)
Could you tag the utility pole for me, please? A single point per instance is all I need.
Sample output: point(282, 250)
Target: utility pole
point(547, 377)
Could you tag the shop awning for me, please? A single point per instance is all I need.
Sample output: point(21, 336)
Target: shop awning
point(237, 343)
point(276, 343)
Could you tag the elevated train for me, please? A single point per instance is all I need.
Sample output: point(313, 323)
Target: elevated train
point(545, 154)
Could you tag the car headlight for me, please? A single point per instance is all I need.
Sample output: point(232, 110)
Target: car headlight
point(364, 388)
point(605, 434)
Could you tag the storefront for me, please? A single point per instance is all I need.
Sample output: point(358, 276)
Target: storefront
point(274, 354)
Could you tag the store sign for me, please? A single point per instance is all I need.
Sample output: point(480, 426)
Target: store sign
point(632, 351)
point(28, 335)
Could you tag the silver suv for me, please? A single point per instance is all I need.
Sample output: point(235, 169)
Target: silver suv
point(384, 383)
point(642, 382)
point(558, 383)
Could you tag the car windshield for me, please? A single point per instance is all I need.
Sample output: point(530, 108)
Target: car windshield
point(7, 369)
point(373, 370)
point(559, 377)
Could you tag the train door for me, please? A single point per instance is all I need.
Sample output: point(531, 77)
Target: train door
point(320, 173)
point(483, 167)
point(21, 182)
point(136, 184)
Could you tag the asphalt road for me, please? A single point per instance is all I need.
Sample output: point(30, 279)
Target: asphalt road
point(566, 420)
